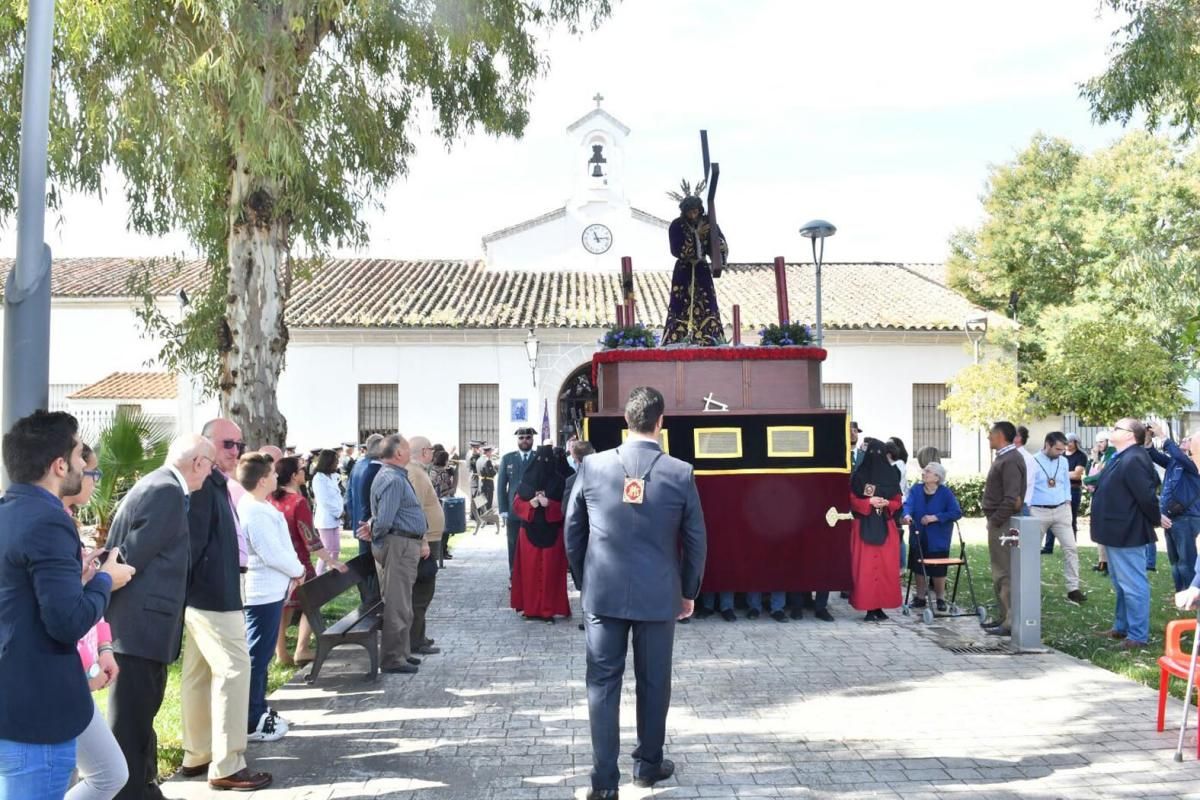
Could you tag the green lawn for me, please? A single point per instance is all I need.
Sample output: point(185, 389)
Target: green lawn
point(168, 725)
point(1071, 628)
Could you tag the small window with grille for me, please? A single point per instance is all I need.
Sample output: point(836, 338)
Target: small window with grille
point(378, 409)
point(664, 441)
point(789, 441)
point(718, 442)
point(838, 395)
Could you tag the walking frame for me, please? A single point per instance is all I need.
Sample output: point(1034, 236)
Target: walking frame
point(960, 565)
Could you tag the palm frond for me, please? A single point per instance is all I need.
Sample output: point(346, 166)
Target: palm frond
point(130, 446)
point(687, 190)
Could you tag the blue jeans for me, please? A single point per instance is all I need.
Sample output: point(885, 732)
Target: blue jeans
point(1151, 556)
point(1181, 550)
point(35, 771)
point(777, 599)
point(1127, 569)
point(262, 629)
point(709, 599)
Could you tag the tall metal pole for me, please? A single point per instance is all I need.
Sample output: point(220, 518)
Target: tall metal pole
point(978, 434)
point(817, 260)
point(27, 290)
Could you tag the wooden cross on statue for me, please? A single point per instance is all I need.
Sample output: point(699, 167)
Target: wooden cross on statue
point(712, 174)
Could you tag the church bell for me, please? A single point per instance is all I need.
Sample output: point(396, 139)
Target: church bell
point(596, 160)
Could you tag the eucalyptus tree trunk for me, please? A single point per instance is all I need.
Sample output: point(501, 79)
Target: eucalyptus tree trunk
point(255, 336)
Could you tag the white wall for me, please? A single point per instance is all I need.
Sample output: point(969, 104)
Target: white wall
point(557, 243)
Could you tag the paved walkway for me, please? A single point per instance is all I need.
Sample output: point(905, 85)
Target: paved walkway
point(760, 709)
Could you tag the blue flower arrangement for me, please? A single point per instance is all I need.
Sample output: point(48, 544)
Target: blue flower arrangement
point(636, 335)
point(792, 334)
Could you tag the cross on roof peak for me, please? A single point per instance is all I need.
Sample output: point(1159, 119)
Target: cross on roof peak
point(599, 98)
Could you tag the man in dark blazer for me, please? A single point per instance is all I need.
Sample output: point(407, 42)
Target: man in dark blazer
point(358, 510)
point(512, 470)
point(1124, 513)
point(151, 529)
point(635, 533)
point(44, 607)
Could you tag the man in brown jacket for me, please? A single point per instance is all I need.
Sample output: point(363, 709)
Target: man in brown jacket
point(423, 589)
point(1003, 496)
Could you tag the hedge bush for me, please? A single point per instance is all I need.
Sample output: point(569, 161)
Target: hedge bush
point(969, 491)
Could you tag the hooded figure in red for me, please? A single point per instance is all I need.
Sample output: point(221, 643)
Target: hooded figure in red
point(874, 541)
point(539, 581)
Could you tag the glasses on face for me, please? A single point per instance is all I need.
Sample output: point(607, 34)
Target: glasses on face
point(1119, 428)
point(94, 474)
point(231, 444)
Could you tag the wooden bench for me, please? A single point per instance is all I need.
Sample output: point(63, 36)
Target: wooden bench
point(356, 627)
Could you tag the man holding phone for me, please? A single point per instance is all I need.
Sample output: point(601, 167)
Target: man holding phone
point(46, 609)
point(151, 531)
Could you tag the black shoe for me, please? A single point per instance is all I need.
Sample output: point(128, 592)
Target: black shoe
point(880, 616)
point(824, 615)
point(753, 613)
point(414, 661)
point(581, 625)
point(942, 607)
point(448, 555)
point(1047, 552)
point(603, 794)
point(665, 770)
point(1075, 596)
point(427, 650)
point(917, 602)
point(702, 613)
point(779, 616)
point(428, 642)
point(870, 617)
point(728, 615)
point(403, 669)
point(797, 613)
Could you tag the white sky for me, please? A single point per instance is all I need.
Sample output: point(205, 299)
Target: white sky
point(882, 117)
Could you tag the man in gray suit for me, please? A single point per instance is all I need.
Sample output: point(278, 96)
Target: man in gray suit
point(151, 528)
point(631, 513)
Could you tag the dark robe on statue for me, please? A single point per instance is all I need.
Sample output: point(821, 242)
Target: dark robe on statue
point(692, 315)
point(539, 579)
point(874, 540)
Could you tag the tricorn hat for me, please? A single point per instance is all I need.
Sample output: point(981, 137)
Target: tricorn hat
point(527, 431)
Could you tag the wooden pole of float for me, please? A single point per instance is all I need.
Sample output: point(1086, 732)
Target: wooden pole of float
point(781, 295)
point(627, 289)
point(737, 325)
point(620, 315)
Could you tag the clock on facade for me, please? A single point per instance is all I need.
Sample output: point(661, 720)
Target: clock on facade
point(597, 239)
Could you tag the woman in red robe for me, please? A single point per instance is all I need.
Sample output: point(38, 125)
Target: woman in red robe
point(539, 581)
point(874, 541)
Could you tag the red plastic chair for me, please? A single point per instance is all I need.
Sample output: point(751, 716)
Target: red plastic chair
point(1175, 662)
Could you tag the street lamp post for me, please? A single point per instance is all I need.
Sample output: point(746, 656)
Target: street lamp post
point(976, 329)
point(531, 351)
point(818, 230)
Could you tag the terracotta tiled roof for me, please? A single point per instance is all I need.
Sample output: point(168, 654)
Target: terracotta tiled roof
point(130, 386)
point(110, 277)
point(384, 293)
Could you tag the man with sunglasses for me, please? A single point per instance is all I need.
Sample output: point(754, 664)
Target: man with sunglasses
point(151, 528)
point(215, 690)
point(1124, 514)
point(512, 469)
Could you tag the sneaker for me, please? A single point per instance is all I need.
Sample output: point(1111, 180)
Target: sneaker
point(266, 730)
point(753, 613)
point(280, 723)
point(1075, 596)
point(941, 606)
point(917, 602)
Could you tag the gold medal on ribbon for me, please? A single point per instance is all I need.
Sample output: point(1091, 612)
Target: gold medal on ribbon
point(634, 492)
point(1050, 483)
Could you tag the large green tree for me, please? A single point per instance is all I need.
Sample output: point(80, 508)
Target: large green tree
point(264, 128)
point(1096, 256)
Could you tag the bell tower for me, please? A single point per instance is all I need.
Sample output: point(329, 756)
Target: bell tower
point(598, 158)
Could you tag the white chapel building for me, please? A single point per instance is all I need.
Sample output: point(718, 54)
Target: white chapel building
point(460, 349)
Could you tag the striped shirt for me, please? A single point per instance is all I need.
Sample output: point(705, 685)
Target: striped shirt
point(394, 504)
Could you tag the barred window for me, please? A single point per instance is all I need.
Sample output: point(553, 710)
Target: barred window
point(838, 395)
point(931, 427)
point(478, 414)
point(378, 409)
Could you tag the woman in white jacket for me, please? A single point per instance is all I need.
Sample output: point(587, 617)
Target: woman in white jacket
point(271, 566)
point(330, 504)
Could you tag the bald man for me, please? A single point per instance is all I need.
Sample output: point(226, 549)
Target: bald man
point(435, 524)
point(151, 528)
point(215, 689)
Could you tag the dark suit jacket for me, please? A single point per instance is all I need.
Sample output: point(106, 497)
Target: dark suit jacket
point(358, 491)
point(151, 528)
point(216, 582)
point(44, 611)
point(1124, 507)
point(630, 554)
point(512, 470)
